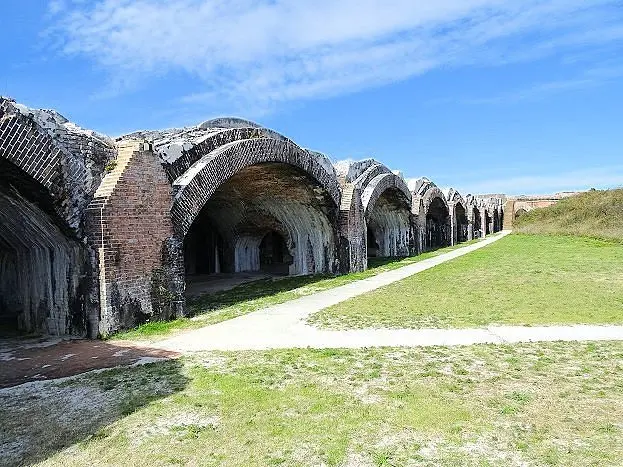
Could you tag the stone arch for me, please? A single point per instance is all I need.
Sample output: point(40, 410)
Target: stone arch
point(477, 221)
point(379, 185)
point(387, 207)
point(488, 219)
point(65, 160)
point(520, 212)
point(434, 215)
point(32, 152)
point(195, 187)
point(252, 188)
point(49, 170)
point(459, 216)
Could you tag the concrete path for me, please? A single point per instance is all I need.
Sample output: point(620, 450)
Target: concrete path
point(284, 326)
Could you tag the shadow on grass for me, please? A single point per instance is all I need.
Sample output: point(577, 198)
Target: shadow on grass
point(273, 286)
point(215, 307)
point(251, 291)
point(39, 419)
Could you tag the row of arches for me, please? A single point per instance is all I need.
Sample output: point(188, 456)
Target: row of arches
point(239, 199)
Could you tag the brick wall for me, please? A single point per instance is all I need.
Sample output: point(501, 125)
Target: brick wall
point(141, 272)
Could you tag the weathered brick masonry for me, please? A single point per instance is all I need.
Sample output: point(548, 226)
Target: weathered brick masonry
point(103, 235)
point(49, 170)
point(139, 260)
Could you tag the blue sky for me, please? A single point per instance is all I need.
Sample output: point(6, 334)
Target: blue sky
point(483, 95)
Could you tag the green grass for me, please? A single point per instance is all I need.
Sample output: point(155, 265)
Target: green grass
point(221, 306)
point(519, 280)
point(594, 213)
point(529, 404)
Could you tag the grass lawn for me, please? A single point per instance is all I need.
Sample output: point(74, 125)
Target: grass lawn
point(530, 404)
point(221, 306)
point(521, 279)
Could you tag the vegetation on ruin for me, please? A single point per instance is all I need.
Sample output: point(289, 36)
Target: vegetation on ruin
point(246, 298)
point(596, 213)
point(529, 404)
point(518, 280)
point(110, 166)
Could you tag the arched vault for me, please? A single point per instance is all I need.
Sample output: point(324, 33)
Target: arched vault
point(195, 187)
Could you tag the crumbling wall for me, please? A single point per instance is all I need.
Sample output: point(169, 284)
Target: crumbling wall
point(49, 170)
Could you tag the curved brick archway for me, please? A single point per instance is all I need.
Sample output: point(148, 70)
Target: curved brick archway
point(49, 170)
point(434, 219)
point(459, 216)
point(198, 184)
point(252, 190)
point(379, 185)
point(387, 209)
point(67, 161)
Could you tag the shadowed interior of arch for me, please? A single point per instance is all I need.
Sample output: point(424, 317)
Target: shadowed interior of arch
point(461, 223)
point(519, 213)
point(437, 225)
point(477, 222)
point(40, 265)
point(388, 225)
point(267, 219)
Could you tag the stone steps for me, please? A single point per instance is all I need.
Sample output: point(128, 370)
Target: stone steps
point(126, 150)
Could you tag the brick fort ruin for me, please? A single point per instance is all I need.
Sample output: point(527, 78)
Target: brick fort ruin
point(99, 235)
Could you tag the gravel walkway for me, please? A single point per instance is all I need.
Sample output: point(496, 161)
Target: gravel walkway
point(285, 326)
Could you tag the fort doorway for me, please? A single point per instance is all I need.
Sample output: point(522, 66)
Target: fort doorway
point(437, 225)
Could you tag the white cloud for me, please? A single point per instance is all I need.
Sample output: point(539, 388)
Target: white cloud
point(268, 51)
point(56, 6)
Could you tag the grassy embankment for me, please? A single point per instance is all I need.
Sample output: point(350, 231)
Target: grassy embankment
point(597, 214)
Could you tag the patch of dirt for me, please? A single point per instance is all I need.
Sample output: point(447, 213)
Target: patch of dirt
point(30, 360)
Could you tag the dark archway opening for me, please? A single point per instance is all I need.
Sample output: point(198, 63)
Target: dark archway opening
point(204, 249)
point(496, 221)
point(461, 223)
point(274, 255)
point(373, 245)
point(519, 213)
point(269, 219)
point(488, 224)
point(389, 226)
point(477, 223)
point(41, 264)
point(437, 225)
